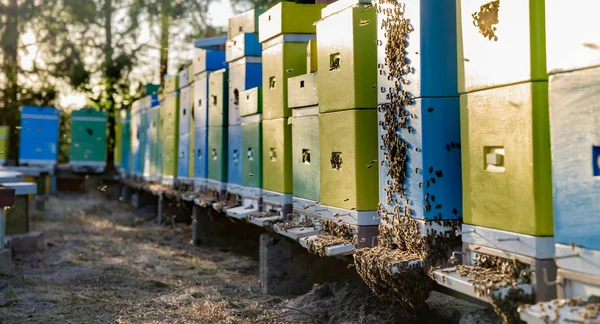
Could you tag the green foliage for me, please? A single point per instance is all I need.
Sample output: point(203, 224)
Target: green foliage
point(64, 140)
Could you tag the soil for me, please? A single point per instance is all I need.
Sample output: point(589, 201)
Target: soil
point(106, 263)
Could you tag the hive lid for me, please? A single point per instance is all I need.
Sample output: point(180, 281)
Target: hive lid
point(341, 5)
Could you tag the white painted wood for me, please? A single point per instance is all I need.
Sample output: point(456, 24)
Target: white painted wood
point(216, 185)
point(287, 38)
point(351, 217)
point(297, 233)
point(241, 212)
point(21, 188)
point(578, 259)
point(264, 221)
point(11, 176)
point(341, 249)
point(576, 289)
point(276, 198)
point(566, 314)
point(538, 247)
point(235, 189)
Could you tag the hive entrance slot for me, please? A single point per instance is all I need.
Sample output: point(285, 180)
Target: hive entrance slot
point(214, 98)
point(235, 155)
point(199, 154)
point(199, 102)
point(334, 61)
point(273, 154)
point(272, 82)
point(494, 158)
point(596, 160)
point(302, 84)
point(236, 96)
point(250, 154)
point(336, 160)
point(306, 156)
point(214, 154)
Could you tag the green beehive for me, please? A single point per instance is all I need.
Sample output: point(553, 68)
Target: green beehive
point(277, 156)
point(288, 18)
point(348, 143)
point(218, 100)
point(306, 157)
point(217, 153)
point(122, 139)
point(251, 102)
point(3, 143)
point(312, 56)
point(506, 167)
point(154, 131)
point(88, 137)
point(283, 57)
point(119, 126)
point(347, 58)
point(169, 155)
point(170, 115)
point(252, 154)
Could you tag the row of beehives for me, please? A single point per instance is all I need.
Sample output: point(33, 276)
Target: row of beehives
point(496, 96)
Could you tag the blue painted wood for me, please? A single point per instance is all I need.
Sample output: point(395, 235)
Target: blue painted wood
point(431, 50)
point(182, 155)
point(243, 45)
point(200, 153)
point(433, 167)
point(210, 42)
point(38, 151)
point(234, 155)
point(243, 75)
point(39, 135)
point(209, 61)
point(575, 138)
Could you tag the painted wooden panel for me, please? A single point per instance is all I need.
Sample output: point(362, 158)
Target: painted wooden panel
point(201, 100)
point(433, 32)
point(200, 153)
point(170, 155)
point(243, 45)
point(251, 102)
point(302, 91)
point(217, 153)
point(252, 155)
point(88, 152)
point(311, 56)
point(88, 125)
point(234, 155)
point(575, 138)
point(185, 109)
point(4, 130)
point(171, 84)
point(306, 157)
point(244, 74)
point(246, 22)
point(277, 156)
point(347, 60)
point(17, 217)
point(505, 141)
point(433, 169)
point(348, 144)
point(39, 123)
point(218, 98)
point(209, 61)
point(183, 155)
point(39, 151)
point(170, 115)
point(572, 39)
point(288, 18)
point(500, 43)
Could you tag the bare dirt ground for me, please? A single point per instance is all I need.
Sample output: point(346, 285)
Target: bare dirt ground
point(107, 264)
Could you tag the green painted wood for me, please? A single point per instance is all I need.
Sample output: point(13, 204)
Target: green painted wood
point(306, 157)
point(277, 156)
point(217, 153)
point(252, 155)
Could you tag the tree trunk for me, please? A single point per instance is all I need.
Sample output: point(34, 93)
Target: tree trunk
point(10, 68)
point(165, 23)
point(110, 91)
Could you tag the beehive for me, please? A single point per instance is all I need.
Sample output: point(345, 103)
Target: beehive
point(142, 132)
point(347, 58)
point(190, 149)
point(39, 135)
point(135, 129)
point(575, 139)
point(201, 100)
point(149, 141)
point(170, 155)
point(170, 115)
point(4, 130)
point(217, 153)
point(153, 125)
point(286, 57)
point(277, 156)
point(243, 45)
point(209, 61)
point(88, 137)
point(251, 102)
point(311, 56)
point(246, 22)
point(306, 157)
point(17, 217)
point(218, 98)
point(184, 78)
point(252, 154)
point(348, 144)
point(171, 84)
point(433, 31)
point(571, 38)
point(183, 155)
point(160, 137)
point(186, 109)
point(244, 74)
point(506, 159)
point(288, 18)
point(431, 160)
point(302, 91)
point(500, 43)
point(200, 153)
point(123, 139)
point(234, 155)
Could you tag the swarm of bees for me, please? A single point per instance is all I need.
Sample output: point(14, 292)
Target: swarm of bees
point(331, 233)
point(486, 18)
point(587, 311)
point(270, 213)
point(336, 161)
point(295, 223)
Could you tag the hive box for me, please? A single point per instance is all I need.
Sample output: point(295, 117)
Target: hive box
point(184, 78)
point(252, 154)
point(241, 46)
point(171, 83)
point(302, 91)
point(505, 145)
point(123, 139)
point(277, 156)
point(186, 109)
point(234, 155)
point(311, 56)
point(434, 32)
point(170, 115)
point(500, 43)
point(348, 143)
point(218, 98)
point(575, 138)
point(288, 18)
point(306, 157)
point(433, 181)
point(201, 100)
point(246, 22)
point(251, 102)
point(244, 74)
point(170, 156)
point(217, 153)
point(153, 126)
point(39, 135)
point(4, 130)
point(142, 132)
point(286, 57)
point(183, 156)
point(209, 61)
point(150, 137)
point(88, 138)
point(199, 154)
point(571, 39)
point(347, 58)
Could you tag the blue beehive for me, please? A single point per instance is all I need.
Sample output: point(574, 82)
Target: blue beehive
point(575, 131)
point(201, 99)
point(234, 149)
point(209, 61)
point(243, 45)
point(39, 135)
point(200, 150)
point(244, 74)
point(182, 155)
point(433, 169)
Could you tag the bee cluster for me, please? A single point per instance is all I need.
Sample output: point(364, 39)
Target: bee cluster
point(336, 161)
point(331, 234)
point(587, 311)
point(295, 223)
point(486, 18)
point(230, 200)
point(207, 197)
point(269, 213)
